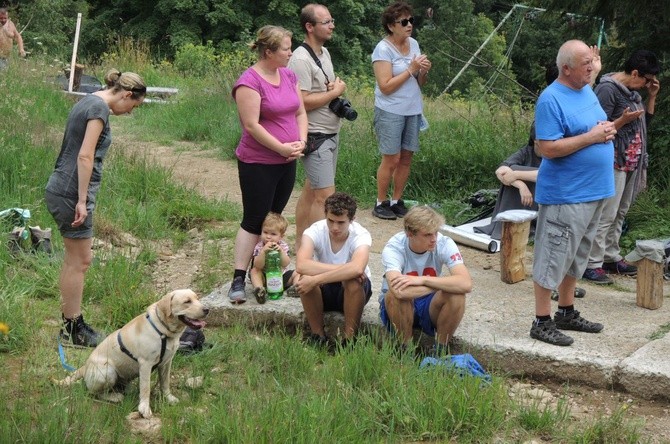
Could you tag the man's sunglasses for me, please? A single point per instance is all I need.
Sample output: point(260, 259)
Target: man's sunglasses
point(405, 22)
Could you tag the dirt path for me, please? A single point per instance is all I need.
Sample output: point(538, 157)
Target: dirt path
point(217, 179)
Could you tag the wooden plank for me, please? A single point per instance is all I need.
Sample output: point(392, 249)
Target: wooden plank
point(649, 284)
point(513, 242)
point(162, 90)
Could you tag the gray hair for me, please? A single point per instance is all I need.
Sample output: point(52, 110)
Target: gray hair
point(567, 52)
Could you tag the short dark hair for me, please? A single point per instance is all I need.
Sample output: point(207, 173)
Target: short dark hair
point(392, 12)
point(307, 15)
point(645, 62)
point(340, 203)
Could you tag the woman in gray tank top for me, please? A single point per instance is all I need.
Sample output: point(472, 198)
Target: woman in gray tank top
point(72, 188)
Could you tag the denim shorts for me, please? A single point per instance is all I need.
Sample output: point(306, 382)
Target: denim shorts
point(421, 314)
point(563, 238)
point(396, 132)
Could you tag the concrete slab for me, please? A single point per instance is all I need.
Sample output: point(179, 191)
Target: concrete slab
point(496, 326)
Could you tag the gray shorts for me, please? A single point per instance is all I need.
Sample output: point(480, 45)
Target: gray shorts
point(563, 240)
point(62, 210)
point(320, 165)
point(396, 132)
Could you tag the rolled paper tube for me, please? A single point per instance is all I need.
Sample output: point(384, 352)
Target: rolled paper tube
point(470, 239)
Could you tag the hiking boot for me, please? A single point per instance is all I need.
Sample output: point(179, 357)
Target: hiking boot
point(14, 242)
point(572, 321)
point(261, 295)
point(399, 209)
point(547, 332)
point(384, 211)
point(236, 293)
point(77, 333)
point(597, 276)
point(579, 293)
point(41, 239)
point(621, 267)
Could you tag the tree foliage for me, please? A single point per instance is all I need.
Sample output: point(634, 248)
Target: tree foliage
point(630, 26)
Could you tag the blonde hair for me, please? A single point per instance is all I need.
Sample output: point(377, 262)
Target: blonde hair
point(127, 81)
point(269, 37)
point(422, 218)
point(277, 221)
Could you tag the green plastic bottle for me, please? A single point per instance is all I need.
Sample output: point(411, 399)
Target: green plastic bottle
point(274, 282)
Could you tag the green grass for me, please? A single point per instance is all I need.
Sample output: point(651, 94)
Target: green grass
point(258, 385)
point(269, 387)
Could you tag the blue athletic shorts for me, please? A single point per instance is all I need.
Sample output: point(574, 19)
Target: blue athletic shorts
point(421, 314)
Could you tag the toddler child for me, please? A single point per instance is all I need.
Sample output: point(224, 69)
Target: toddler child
point(272, 238)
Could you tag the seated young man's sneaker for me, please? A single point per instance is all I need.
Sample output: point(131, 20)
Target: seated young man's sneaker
point(236, 293)
point(77, 333)
point(384, 211)
point(317, 341)
point(621, 267)
point(399, 209)
point(292, 292)
point(573, 321)
point(261, 295)
point(597, 276)
point(547, 332)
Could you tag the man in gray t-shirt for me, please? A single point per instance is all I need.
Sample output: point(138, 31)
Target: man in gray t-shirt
point(319, 87)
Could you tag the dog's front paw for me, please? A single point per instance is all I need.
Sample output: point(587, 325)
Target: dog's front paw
point(145, 410)
point(172, 399)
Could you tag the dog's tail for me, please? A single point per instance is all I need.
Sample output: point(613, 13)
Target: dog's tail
point(74, 377)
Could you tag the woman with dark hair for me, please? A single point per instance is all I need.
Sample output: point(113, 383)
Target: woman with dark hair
point(619, 96)
point(74, 184)
point(274, 130)
point(400, 71)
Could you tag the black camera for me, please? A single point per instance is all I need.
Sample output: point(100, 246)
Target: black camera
point(342, 108)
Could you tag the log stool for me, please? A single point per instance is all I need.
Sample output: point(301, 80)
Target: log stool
point(78, 71)
point(513, 242)
point(649, 257)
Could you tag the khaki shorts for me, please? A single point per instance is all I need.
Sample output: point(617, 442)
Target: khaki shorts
point(563, 240)
point(321, 164)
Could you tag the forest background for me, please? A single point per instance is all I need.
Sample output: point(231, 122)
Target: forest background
point(509, 70)
point(201, 37)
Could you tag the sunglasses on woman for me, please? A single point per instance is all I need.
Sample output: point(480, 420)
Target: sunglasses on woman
point(405, 22)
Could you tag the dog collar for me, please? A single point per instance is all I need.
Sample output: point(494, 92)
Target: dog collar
point(161, 334)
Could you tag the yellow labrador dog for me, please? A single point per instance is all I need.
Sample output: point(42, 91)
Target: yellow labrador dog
point(147, 342)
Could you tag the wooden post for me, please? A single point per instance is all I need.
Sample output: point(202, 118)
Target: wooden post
point(513, 242)
point(649, 284)
point(74, 52)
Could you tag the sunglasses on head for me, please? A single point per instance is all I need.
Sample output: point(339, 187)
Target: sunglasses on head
point(405, 22)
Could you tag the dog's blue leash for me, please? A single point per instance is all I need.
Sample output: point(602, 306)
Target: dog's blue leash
point(61, 353)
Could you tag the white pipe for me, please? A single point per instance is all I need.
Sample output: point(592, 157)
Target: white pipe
point(74, 52)
point(471, 239)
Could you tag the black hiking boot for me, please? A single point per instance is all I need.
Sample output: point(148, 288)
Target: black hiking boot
point(573, 321)
point(77, 333)
point(547, 332)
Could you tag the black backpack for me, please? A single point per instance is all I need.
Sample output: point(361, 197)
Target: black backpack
point(191, 341)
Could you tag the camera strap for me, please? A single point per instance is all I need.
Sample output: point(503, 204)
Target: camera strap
point(316, 59)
